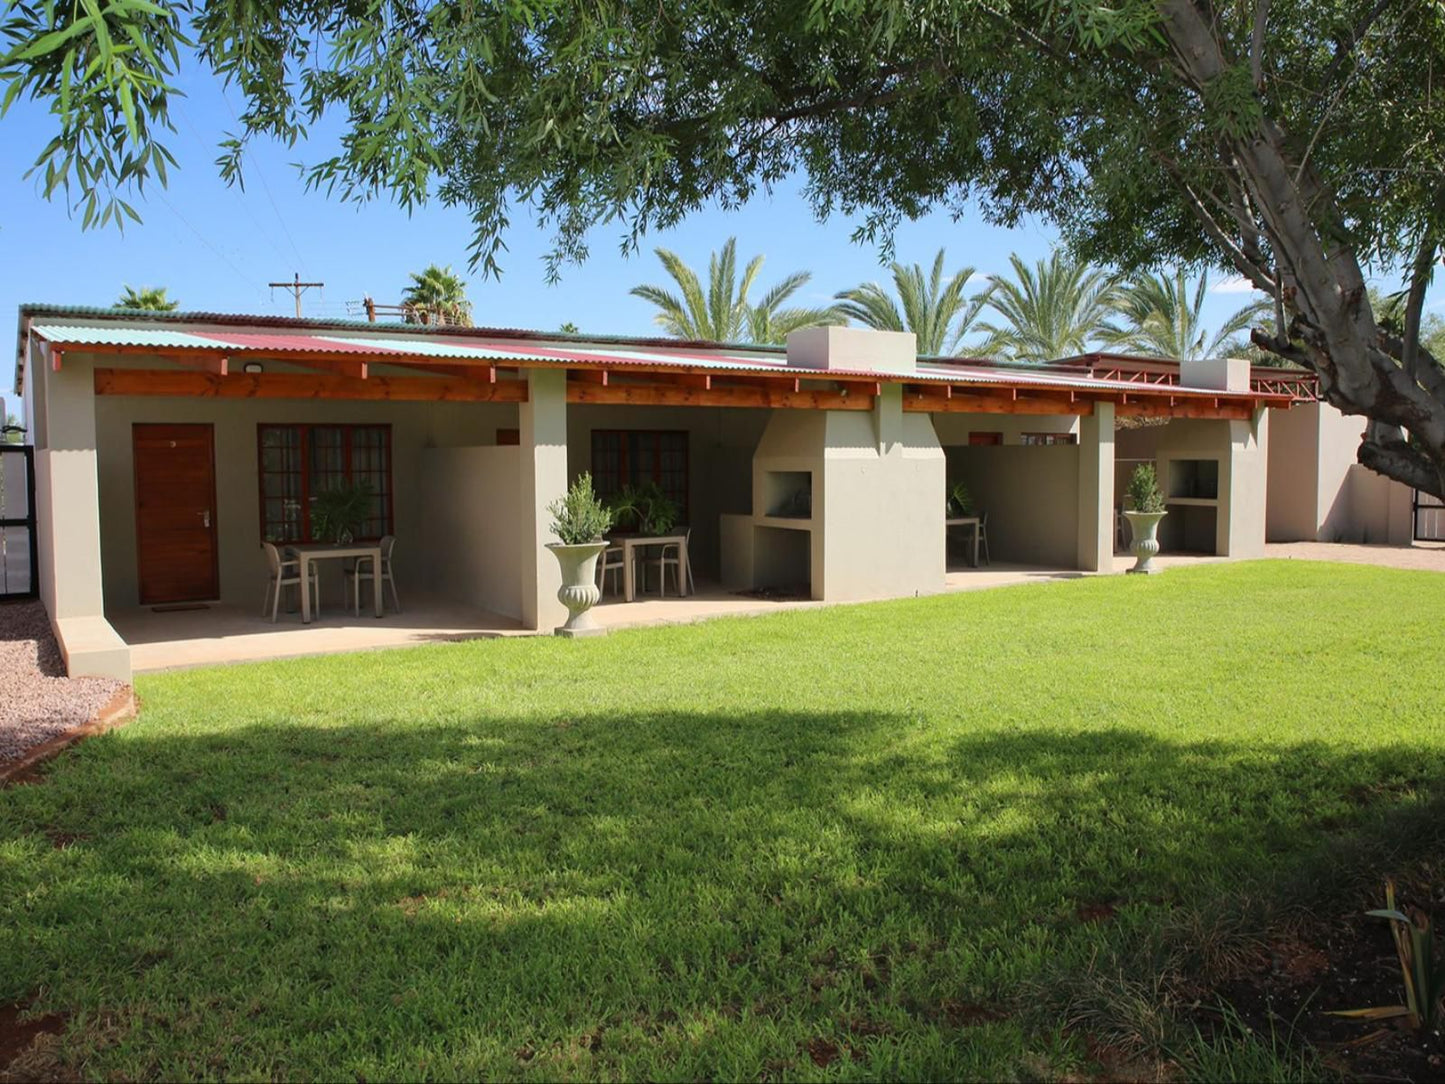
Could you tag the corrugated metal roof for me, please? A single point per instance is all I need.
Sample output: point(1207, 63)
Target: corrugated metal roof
point(490, 345)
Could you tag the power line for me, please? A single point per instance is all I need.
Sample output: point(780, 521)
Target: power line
point(261, 176)
point(205, 241)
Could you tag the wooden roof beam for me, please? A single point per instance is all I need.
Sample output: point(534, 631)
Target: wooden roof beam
point(202, 385)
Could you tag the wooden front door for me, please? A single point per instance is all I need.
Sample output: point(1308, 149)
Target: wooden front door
point(175, 512)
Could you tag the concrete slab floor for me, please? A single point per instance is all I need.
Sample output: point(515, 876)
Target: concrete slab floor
point(169, 639)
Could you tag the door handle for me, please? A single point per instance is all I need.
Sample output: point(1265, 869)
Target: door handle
point(205, 518)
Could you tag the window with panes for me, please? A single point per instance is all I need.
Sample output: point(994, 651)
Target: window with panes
point(299, 461)
point(634, 456)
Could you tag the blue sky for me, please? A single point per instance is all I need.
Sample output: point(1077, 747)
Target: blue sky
point(216, 247)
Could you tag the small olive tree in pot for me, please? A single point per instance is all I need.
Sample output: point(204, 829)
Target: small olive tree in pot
point(1146, 509)
point(579, 521)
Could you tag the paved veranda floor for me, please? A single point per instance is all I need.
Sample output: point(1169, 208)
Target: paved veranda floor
point(166, 639)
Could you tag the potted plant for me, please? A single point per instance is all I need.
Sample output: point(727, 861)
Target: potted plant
point(579, 521)
point(1146, 509)
point(645, 508)
point(338, 514)
point(959, 502)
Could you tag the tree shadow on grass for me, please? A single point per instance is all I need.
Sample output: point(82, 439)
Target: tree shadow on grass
point(704, 889)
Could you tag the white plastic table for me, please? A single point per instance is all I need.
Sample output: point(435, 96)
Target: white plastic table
point(306, 552)
point(631, 541)
point(967, 521)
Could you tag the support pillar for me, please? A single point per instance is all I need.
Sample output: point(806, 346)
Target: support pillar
point(67, 507)
point(1096, 489)
point(543, 440)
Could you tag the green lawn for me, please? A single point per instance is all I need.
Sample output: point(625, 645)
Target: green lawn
point(853, 842)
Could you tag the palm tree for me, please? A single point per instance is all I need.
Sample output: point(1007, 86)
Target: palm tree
point(147, 298)
point(437, 295)
point(935, 311)
point(1165, 319)
point(722, 312)
point(1052, 310)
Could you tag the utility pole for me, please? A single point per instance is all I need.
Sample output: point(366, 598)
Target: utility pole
point(297, 287)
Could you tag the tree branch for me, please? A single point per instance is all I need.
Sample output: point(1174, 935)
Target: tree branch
point(1241, 262)
point(1344, 52)
point(1421, 271)
point(1386, 452)
point(1256, 44)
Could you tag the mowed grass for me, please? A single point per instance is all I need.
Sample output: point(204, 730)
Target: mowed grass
point(848, 843)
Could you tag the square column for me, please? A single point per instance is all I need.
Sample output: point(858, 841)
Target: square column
point(543, 442)
point(67, 509)
point(1096, 489)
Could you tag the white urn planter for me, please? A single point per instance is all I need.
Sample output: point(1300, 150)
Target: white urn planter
point(579, 591)
point(1145, 528)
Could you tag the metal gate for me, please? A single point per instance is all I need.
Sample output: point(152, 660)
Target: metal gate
point(17, 522)
point(1429, 518)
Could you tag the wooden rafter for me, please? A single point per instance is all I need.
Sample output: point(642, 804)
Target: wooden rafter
point(180, 383)
point(674, 395)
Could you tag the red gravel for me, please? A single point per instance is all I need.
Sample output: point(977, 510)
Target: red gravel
point(37, 701)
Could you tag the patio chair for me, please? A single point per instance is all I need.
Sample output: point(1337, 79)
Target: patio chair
point(983, 538)
point(671, 557)
point(610, 563)
point(286, 574)
point(363, 570)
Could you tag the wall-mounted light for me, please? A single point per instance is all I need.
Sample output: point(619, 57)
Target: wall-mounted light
point(253, 367)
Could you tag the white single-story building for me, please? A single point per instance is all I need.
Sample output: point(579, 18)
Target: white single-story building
point(168, 447)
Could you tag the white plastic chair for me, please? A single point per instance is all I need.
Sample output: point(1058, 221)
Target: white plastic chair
point(671, 556)
point(364, 571)
point(286, 574)
point(611, 563)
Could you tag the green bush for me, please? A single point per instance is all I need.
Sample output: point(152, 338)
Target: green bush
point(1144, 495)
point(579, 517)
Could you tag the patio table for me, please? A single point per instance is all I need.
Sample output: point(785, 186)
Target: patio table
point(630, 542)
point(306, 552)
point(966, 521)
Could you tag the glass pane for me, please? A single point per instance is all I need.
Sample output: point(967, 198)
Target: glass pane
point(14, 559)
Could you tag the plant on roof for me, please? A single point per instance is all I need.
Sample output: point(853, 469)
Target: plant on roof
point(579, 517)
point(147, 298)
point(1143, 492)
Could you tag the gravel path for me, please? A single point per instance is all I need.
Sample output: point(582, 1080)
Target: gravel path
point(1425, 556)
point(37, 700)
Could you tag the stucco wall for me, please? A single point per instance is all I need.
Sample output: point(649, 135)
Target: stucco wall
point(1293, 508)
point(953, 429)
point(470, 500)
point(882, 506)
point(1317, 490)
point(414, 427)
point(1381, 509)
point(1031, 495)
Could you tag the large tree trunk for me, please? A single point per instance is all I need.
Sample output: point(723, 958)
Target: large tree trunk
point(1361, 369)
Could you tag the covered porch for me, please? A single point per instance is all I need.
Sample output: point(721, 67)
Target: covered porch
point(815, 474)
